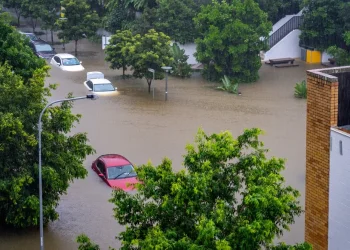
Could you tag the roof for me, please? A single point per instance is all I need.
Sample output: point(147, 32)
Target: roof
point(99, 81)
point(112, 160)
point(65, 55)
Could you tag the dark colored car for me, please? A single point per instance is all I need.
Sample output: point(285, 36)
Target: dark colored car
point(42, 49)
point(116, 171)
point(31, 36)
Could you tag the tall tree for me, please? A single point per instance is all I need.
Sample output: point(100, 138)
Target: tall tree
point(120, 50)
point(175, 19)
point(22, 97)
point(16, 5)
point(230, 196)
point(50, 16)
point(152, 51)
point(322, 26)
point(80, 21)
point(34, 10)
point(232, 36)
point(277, 9)
point(14, 49)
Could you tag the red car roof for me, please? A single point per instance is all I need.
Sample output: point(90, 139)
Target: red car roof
point(112, 160)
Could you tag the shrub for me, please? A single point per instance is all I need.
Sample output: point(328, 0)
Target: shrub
point(180, 66)
point(300, 90)
point(228, 85)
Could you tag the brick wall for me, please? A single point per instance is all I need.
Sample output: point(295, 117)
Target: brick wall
point(322, 113)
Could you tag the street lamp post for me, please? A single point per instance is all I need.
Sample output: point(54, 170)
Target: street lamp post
point(92, 97)
point(167, 69)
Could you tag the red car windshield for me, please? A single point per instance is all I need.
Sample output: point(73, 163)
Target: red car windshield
point(120, 172)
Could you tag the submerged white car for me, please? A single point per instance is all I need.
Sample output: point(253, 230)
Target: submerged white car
point(66, 62)
point(96, 83)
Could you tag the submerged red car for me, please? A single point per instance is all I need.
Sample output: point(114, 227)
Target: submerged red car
point(116, 171)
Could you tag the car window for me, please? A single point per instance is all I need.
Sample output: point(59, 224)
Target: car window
point(101, 167)
point(57, 59)
point(103, 87)
point(43, 47)
point(70, 61)
point(89, 84)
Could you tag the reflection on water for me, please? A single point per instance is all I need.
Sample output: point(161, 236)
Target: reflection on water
point(139, 127)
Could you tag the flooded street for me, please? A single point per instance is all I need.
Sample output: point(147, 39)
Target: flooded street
point(140, 128)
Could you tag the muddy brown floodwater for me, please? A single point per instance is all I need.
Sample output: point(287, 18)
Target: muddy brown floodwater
point(140, 128)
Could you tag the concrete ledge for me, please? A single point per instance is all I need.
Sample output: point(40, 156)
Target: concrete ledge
point(326, 74)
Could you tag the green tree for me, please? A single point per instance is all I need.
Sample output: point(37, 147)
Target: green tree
point(120, 50)
point(152, 51)
point(322, 26)
point(22, 97)
point(80, 21)
point(33, 9)
point(277, 9)
point(180, 67)
point(16, 5)
point(175, 19)
point(63, 156)
point(50, 16)
point(230, 196)
point(232, 36)
point(14, 49)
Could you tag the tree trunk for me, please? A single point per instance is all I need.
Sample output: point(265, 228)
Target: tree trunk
point(149, 81)
point(33, 24)
point(76, 48)
point(51, 37)
point(18, 20)
point(123, 72)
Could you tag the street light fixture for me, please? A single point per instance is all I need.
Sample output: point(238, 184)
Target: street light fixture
point(91, 97)
point(167, 69)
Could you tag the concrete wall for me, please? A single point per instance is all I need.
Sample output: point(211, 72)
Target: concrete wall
point(339, 192)
point(287, 47)
point(322, 114)
point(325, 57)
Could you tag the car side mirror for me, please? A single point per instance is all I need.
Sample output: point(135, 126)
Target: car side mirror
point(58, 64)
point(101, 175)
point(81, 62)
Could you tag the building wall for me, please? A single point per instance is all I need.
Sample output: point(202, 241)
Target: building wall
point(322, 110)
point(339, 195)
point(287, 47)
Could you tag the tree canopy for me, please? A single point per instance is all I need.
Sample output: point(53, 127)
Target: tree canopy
point(80, 21)
point(323, 24)
point(231, 37)
point(229, 196)
point(23, 95)
point(14, 49)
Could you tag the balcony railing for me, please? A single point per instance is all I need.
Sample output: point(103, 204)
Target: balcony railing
point(294, 23)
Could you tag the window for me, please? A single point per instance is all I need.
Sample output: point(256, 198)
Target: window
point(89, 84)
point(121, 172)
point(103, 87)
point(57, 59)
point(101, 167)
point(43, 47)
point(70, 61)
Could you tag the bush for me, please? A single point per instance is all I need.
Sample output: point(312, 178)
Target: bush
point(180, 66)
point(341, 56)
point(228, 85)
point(300, 90)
